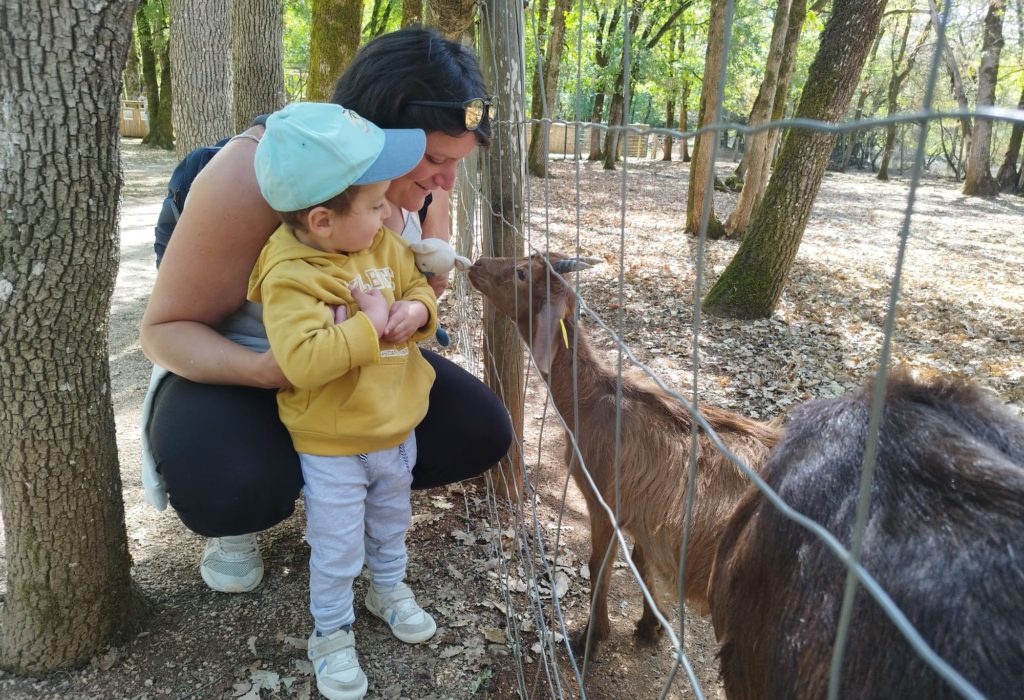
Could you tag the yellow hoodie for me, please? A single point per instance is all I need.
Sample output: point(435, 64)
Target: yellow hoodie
point(350, 393)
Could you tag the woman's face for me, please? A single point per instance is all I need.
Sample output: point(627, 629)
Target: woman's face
point(435, 171)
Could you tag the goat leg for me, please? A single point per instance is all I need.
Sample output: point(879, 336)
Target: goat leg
point(648, 630)
point(603, 548)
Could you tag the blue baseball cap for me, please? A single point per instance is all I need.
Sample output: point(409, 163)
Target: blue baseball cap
point(312, 151)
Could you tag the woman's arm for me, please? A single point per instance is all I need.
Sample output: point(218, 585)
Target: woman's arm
point(204, 274)
point(437, 224)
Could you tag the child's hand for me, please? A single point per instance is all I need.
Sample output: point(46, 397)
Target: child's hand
point(373, 304)
point(404, 319)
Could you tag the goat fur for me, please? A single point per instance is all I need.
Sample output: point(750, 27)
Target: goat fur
point(944, 538)
point(655, 442)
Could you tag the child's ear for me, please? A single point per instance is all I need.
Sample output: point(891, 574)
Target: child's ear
point(318, 221)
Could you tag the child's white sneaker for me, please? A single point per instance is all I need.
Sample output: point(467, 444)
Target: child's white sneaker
point(396, 605)
point(338, 676)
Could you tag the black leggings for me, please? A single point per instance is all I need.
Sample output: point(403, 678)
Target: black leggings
point(229, 463)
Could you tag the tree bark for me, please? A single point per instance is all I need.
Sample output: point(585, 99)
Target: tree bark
point(756, 155)
point(751, 285)
point(454, 18)
point(335, 32)
point(257, 55)
point(670, 115)
point(703, 145)
point(132, 71)
point(505, 181)
point(544, 97)
point(978, 180)
point(1007, 175)
point(412, 13)
point(201, 72)
point(155, 52)
point(684, 117)
point(602, 56)
point(69, 592)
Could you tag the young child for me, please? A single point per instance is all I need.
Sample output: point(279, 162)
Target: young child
point(344, 305)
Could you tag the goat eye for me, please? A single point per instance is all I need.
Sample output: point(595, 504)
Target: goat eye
point(521, 274)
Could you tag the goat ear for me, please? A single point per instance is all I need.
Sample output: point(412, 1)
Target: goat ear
point(575, 264)
point(545, 336)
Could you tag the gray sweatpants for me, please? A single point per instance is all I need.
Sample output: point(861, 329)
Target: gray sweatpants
point(356, 507)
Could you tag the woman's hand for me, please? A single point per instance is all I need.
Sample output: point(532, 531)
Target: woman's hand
point(404, 319)
point(438, 283)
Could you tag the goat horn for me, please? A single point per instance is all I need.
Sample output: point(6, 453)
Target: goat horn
point(575, 264)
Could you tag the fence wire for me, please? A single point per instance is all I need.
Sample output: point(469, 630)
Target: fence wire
point(538, 630)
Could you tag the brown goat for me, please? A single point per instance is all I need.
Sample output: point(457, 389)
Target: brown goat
point(655, 442)
point(944, 538)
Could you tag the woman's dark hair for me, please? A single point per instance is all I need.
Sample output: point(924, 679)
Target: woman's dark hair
point(410, 64)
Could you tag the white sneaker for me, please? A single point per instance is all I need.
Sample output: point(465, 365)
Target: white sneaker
point(232, 564)
point(338, 676)
point(397, 607)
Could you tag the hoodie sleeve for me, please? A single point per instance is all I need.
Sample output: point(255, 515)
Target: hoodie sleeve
point(309, 347)
point(415, 288)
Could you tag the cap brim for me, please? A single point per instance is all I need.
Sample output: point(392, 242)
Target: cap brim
point(403, 150)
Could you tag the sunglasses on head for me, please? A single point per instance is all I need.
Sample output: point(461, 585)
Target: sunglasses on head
point(474, 111)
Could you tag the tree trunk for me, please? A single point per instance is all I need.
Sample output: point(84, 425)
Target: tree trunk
point(153, 47)
point(412, 13)
point(1007, 175)
point(956, 81)
point(595, 133)
point(756, 155)
point(703, 145)
point(684, 117)
point(334, 36)
point(611, 139)
point(797, 16)
point(602, 56)
point(978, 180)
point(900, 72)
point(544, 98)
point(201, 72)
point(454, 18)
point(753, 282)
point(69, 592)
point(670, 115)
point(132, 72)
point(257, 55)
point(505, 181)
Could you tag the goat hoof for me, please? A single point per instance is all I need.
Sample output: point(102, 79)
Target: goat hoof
point(648, 633)
point(578, 642)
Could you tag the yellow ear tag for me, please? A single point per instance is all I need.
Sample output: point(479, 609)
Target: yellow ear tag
point(565, 334)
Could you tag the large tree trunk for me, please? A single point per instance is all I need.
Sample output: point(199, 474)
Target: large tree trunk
point(978, 180)
point(334, 36)
point(257, 58)
point(756, 155)
point(611, 139)
point(703, 145)
point(69, 592)
point(201, 72)
point(544, 99)
point(1007, 175)
point(602, 56)
point(595, 133)
point(505, 182)
point(753, 282)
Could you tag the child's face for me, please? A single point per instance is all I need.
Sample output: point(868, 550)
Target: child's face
point(354, 230)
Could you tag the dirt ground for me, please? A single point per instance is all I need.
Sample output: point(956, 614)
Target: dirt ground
point(960, 312)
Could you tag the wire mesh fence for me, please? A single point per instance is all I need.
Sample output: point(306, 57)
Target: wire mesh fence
point(543, 579)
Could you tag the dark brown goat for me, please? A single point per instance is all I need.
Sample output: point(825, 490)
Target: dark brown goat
point(944, 538)
point(655, 442)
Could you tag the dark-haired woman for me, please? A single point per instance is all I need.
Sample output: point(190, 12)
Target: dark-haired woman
point(215, 448)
